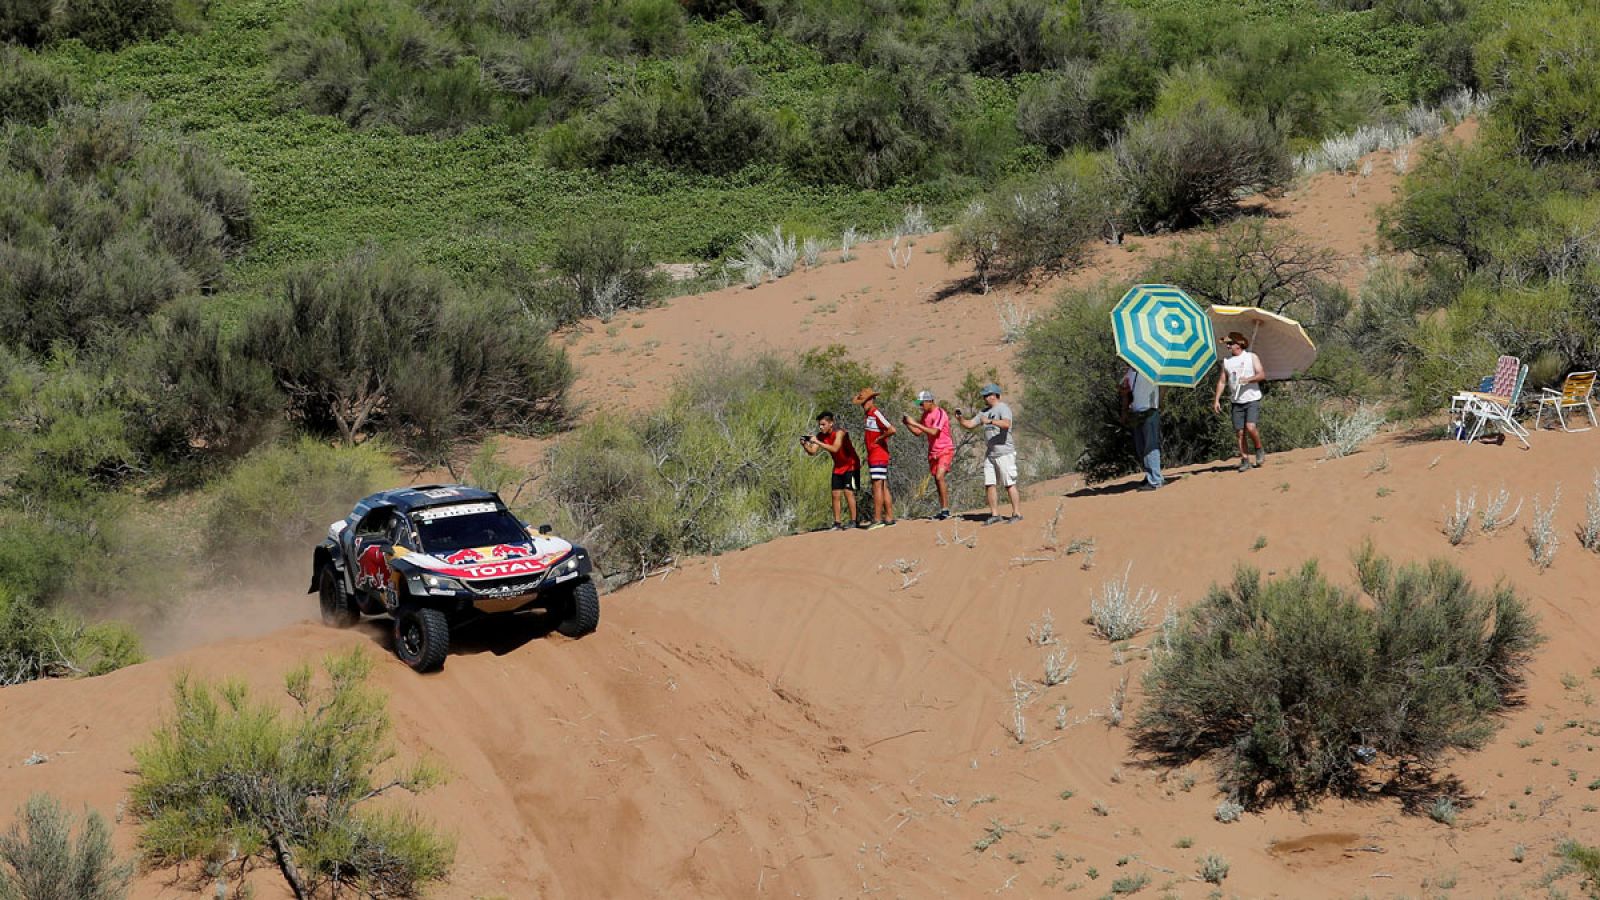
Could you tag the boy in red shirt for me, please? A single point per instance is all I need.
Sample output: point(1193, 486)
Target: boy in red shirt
point(935, 426)
point(878, 432)
point(846, 464)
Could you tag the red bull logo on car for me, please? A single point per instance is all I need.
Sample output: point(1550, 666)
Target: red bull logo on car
point(511, 551)
point(373, 568)
point(462, 557)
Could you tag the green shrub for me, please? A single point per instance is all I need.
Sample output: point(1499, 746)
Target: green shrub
point(1281, 71)
point(878, 129)
point(231, 778)
point(1009, 37)
point(1587, 861)
point(30, 89)
point(102, 219)
point(1461, 204)
point(280, 499)
point(206, 397)
point(1293, 684)
point(40, 642)
point(101, 24)
point(39, 860)
point(598, 268)
point(1544, 69)
point(1039, 225)
point(1057, 111)
point(72, 427)
point(370, 342)
point(110, 24)
point(1193, 167)
point(704, 118)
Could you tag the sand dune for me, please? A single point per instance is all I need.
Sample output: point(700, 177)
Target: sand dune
point(797, 720)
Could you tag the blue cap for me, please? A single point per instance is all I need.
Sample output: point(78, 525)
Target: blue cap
point(990, 388)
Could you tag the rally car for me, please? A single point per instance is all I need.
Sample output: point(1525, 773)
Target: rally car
point(438, 556)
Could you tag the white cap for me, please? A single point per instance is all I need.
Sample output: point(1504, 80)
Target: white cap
point(925, 397)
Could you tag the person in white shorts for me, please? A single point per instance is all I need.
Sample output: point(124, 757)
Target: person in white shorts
point(1000, 452)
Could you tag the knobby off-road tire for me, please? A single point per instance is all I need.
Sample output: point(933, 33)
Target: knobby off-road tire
point(421, 638)
point(581, 615)
point(338, 607)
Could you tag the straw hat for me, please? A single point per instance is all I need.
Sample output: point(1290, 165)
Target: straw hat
point(1241, 340)
point(864, 395)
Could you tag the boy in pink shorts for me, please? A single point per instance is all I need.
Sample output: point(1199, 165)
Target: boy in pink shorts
point(935, 426)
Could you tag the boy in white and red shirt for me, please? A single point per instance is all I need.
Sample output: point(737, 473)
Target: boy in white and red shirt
point(878, 432)
point(935, 426)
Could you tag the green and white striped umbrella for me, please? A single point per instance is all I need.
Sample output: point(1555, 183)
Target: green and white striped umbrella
point(1164, 334)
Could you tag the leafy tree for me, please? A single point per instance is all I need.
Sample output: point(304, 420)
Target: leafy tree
point(234, 781)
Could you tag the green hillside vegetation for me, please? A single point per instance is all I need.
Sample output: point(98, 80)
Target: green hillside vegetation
point(248, 241)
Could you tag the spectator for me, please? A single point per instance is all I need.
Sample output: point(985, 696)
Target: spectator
point(1141, 410)
point(878, 432)
point(935, 426)
point(846, 465)
point(1000, 453)
point(1242, 376)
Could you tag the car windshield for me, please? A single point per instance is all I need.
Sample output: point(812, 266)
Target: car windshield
point(446, 529)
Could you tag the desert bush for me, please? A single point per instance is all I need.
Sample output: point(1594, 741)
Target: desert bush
point(597, 268)
point(370, 342)
point(204, 397)
point(1294, 686)
point(1344, 434)
point(1545, 71)
point(231, 780)
point(1586, 859)
point(37, 641)
point(101, 24)
point(1194, 166)
point(72, 429)
point(1118, 613)
point(761, 256)
point(1039, 225)
point(878, 129)
point(1056, 110)
point(1284, 72)
point(39, 860)
point(704, 117)
point(1543, 541)
point(1213, 868)
point(1009, 37)
point(1256, 263)
point(102, 219)
point(281, 498)
point(1461, 203)
point(30, 89)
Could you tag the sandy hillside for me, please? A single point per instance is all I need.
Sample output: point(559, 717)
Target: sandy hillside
point(912, 315)
point(804, 719)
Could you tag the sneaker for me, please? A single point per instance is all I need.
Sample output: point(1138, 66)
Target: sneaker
point(1261, 457)
point(837, 526)
point(892, 522)
point(943, 514)
point(1244, 464)
point(994, 520)
point(1147, 486)
point(1015, 518)
point(876, 525)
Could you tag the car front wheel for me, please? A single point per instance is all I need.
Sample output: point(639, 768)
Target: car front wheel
point(581, 613)
point(421, 638)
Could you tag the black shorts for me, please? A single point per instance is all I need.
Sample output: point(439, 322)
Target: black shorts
point(849, 481)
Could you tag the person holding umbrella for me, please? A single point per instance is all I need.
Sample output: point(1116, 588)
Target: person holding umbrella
point(1167, 341)
point(1242, 375)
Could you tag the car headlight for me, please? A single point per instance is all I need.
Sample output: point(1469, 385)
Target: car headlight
point(438, 584)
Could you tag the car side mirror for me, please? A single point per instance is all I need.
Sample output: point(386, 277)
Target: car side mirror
point(545, 528)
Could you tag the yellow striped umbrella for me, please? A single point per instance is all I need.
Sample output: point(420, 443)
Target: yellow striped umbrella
point(1283, 346)
point(1164, 334)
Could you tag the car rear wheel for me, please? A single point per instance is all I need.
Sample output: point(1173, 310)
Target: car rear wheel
point(338, 607)
point(581, 615)
point(421, 638)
